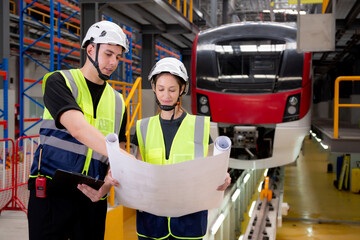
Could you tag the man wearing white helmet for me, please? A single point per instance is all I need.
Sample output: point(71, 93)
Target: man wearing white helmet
point(108, 33)
point(80, 109)
point(172, 136)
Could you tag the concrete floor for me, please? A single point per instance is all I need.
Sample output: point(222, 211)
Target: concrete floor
point(13, 225)
point(317, 209)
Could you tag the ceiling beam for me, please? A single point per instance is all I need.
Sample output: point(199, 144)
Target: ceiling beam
point(149, 17)
point(112, 12)
point(170, 28)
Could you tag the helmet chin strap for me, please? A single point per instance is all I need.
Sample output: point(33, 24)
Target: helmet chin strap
point(168, 107)
point(96, 64)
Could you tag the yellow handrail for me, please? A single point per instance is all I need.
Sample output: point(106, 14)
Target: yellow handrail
point(131, 102)
point(137, 110)
point(178, 5)
point(184, 9)
point(336, 101)
point(12, 7)
point(45, 17)
point(191, 11)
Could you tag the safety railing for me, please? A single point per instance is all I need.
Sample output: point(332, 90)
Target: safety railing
point(337, 105)
point(25, 149)
point(7, 174)
point(18, 162)
point(58, 14)
point(12, 7)
point(133, 108)
point(184, 9)
point(230, 218)
point(45, 19)
point(132, 94)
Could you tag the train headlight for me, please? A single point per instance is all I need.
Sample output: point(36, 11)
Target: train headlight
point(203, 100)
point(292, 108)
point(293, 101)
point(203, 107)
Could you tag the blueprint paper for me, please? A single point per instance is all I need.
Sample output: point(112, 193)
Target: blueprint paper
point(168, 190)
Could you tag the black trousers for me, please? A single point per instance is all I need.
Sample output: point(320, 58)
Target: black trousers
point(63, 216)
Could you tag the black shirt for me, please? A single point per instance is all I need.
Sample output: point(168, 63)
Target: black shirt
point(58, 99)
point(169, 129)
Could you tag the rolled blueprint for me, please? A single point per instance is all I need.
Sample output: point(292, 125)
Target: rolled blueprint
point(168, 190)
point(222, 144)
point(111, 138)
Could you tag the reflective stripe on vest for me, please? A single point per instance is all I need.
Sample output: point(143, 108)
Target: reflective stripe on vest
point(74, 147)
point(109, 114)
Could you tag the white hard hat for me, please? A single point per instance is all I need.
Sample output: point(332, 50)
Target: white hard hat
point(173, 66)
point(106, 32)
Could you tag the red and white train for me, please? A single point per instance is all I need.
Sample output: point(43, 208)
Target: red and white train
point(251, 81)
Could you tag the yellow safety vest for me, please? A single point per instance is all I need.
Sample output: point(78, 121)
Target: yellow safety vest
point(58, 144)
point(191, 140)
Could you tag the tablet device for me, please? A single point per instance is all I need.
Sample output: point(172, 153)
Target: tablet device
point(69, 180)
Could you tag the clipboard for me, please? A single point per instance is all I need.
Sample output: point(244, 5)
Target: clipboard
point(69, 180)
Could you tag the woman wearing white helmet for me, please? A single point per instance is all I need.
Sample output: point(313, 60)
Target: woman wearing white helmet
point(170, 137)
point(176, 69)
point(80, 109)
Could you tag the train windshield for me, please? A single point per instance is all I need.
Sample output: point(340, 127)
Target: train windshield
point(250, 65)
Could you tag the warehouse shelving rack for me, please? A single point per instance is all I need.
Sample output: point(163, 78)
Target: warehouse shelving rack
point(52, 40)
point(23, 52)
point(4, 111)
point(60, 20)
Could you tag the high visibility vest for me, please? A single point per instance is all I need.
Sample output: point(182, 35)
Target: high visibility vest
point(191, 141)
point(60, 150)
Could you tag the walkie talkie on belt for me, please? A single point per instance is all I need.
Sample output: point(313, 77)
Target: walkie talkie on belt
point(40, 183)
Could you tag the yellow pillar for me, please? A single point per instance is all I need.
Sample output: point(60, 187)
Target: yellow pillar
point(121, 224)
point(114, 224)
